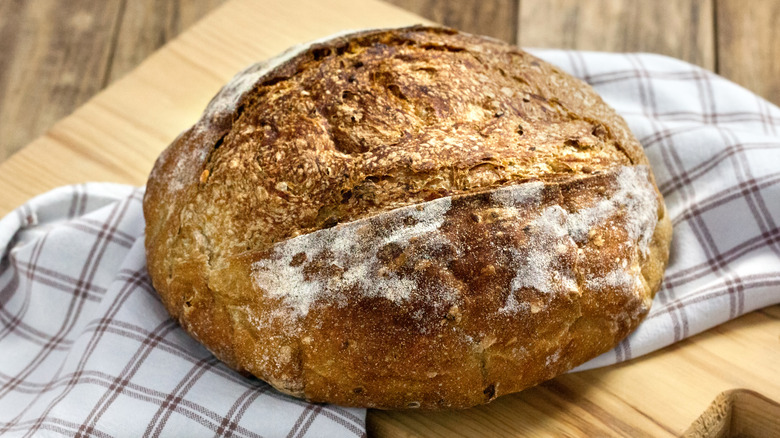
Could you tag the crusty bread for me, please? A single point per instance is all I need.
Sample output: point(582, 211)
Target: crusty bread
point(407, 218)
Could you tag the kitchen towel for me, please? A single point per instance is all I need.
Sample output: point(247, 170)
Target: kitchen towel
point(86, 348)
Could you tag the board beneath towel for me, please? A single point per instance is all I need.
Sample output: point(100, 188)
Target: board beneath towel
point(117, 135)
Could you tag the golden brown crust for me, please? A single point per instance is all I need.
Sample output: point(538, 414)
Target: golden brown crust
point(471, 221)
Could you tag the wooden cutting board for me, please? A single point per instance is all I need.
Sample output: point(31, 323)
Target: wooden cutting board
point(119, 133)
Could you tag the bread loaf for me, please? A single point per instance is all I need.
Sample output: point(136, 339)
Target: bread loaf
point(406, 218)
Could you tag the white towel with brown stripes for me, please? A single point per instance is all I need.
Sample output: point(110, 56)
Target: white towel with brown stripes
point(87, 349)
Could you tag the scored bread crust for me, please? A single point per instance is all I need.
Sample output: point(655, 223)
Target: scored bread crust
point(406, 218)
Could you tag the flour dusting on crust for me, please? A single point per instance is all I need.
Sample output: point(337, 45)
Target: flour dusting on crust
point(227, 98)
point(619, 278)
point(519, 194)
point(542, 265)
point(326, 265)
point(635, 196)
point(443, 298)
point(352, 251)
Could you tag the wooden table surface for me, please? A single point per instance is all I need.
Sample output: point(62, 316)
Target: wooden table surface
point(54, 55)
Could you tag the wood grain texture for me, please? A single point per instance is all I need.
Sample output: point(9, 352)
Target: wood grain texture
point(737, 413)
point(658, 395)
point(146, 25)
point(679, 28)
point(749, 45)
point(496, 18)
point(53, 57)
point(117, 135)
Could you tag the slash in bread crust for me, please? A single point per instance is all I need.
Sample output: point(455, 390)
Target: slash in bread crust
point(399, 218)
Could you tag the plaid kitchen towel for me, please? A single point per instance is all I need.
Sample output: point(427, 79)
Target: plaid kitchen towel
point(86, 347)
point(715, 152)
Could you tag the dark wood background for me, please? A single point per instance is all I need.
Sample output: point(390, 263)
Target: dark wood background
point(56, 54)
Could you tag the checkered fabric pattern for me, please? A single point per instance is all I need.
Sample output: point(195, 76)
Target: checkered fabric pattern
point(715, 152)
point(86, 348)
